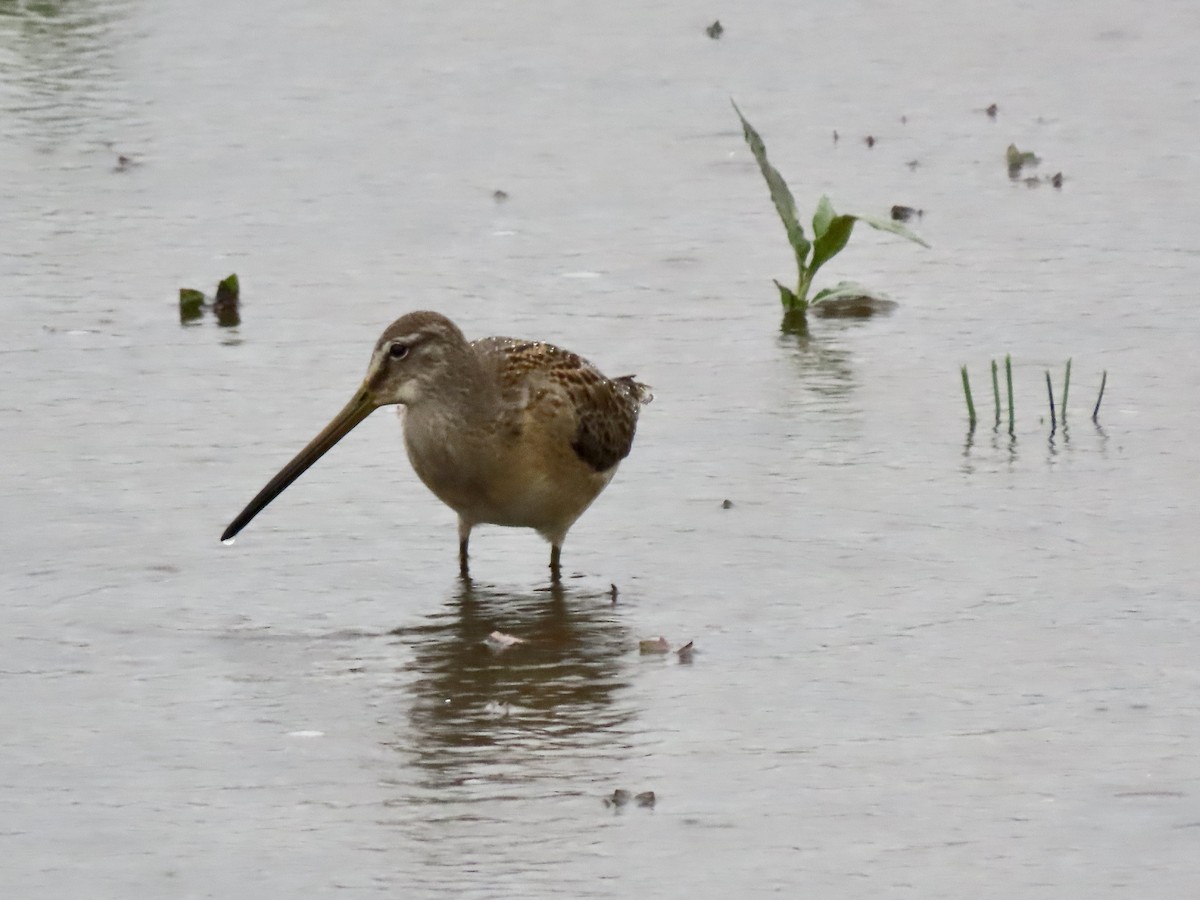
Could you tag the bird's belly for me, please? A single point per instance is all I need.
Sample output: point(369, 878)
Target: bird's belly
point(524, 490)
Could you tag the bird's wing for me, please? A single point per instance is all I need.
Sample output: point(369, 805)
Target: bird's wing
point(596, 415)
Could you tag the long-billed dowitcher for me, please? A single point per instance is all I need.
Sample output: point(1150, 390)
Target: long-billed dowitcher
point(503, 431)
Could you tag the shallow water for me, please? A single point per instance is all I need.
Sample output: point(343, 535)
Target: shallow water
point(928, 663)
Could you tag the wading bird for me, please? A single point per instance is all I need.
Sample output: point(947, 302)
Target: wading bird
point(503, 431)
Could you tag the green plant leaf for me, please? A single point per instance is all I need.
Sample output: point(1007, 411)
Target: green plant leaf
point(823, 216)
point(845, 290)
point(834, 239)
point(892, 226)
point(228, 288)
point(792, 303)
point(781, 195)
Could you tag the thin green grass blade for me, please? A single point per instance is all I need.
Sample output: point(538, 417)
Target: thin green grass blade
point(1008, 376)
point(1103, 381)
point(1050, 391)
point(1066, 390)
point(996, 390)
point(781, 195)
point(970, 403)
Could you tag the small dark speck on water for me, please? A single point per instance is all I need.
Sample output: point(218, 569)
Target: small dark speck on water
point(1057, 179)
point(726, 504)
point(904, 213)
point(715, 30)
point(645, 798)
point(992, 110)
point(869, 140)
point(499, 196)
point(613, 592)
point(835, 136)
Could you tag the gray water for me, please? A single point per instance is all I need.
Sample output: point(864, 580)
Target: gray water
point(929, 664)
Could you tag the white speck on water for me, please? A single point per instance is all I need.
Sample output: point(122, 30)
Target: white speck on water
point(582, 274)
point(306, 734)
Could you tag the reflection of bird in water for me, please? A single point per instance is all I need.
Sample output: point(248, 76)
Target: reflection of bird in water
point(504, 432)
point(553, 691)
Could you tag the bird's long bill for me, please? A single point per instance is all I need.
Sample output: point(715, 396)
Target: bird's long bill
point(343, 423)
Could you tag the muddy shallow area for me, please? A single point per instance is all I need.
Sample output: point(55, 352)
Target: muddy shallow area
point(927, 662)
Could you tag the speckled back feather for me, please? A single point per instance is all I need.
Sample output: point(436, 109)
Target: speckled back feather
point(541, 380)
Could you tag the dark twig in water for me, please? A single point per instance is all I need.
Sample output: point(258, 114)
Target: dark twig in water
point(970, 403)
point(1103, 381)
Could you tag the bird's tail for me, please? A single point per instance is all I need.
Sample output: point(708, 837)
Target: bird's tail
point(640, 392)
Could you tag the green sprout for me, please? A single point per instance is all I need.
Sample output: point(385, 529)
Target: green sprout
point(831, 233)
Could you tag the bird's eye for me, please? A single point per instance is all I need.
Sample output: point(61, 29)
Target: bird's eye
point(398, 351)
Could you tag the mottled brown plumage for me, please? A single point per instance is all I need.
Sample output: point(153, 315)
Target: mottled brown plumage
point(503, 431)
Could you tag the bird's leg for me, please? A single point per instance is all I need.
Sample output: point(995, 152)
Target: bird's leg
point(464, 535)
point(555, 568)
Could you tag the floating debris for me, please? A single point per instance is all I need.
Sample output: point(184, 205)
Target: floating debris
point(912, 164)
point(835, 136)
point(621, 797)
point(1018, 159)
point(191, 305)
point(225, 305)
point(498, 641)
point(904, 120)
point(499, 196)
point(660, 646)
point(869, 140)
point(618, 798)
point(726, 504)
point(613, 592)
point(1057, 179)
point(992, 110)
point(715, 30)
point(655, 645)
point(904, 213)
